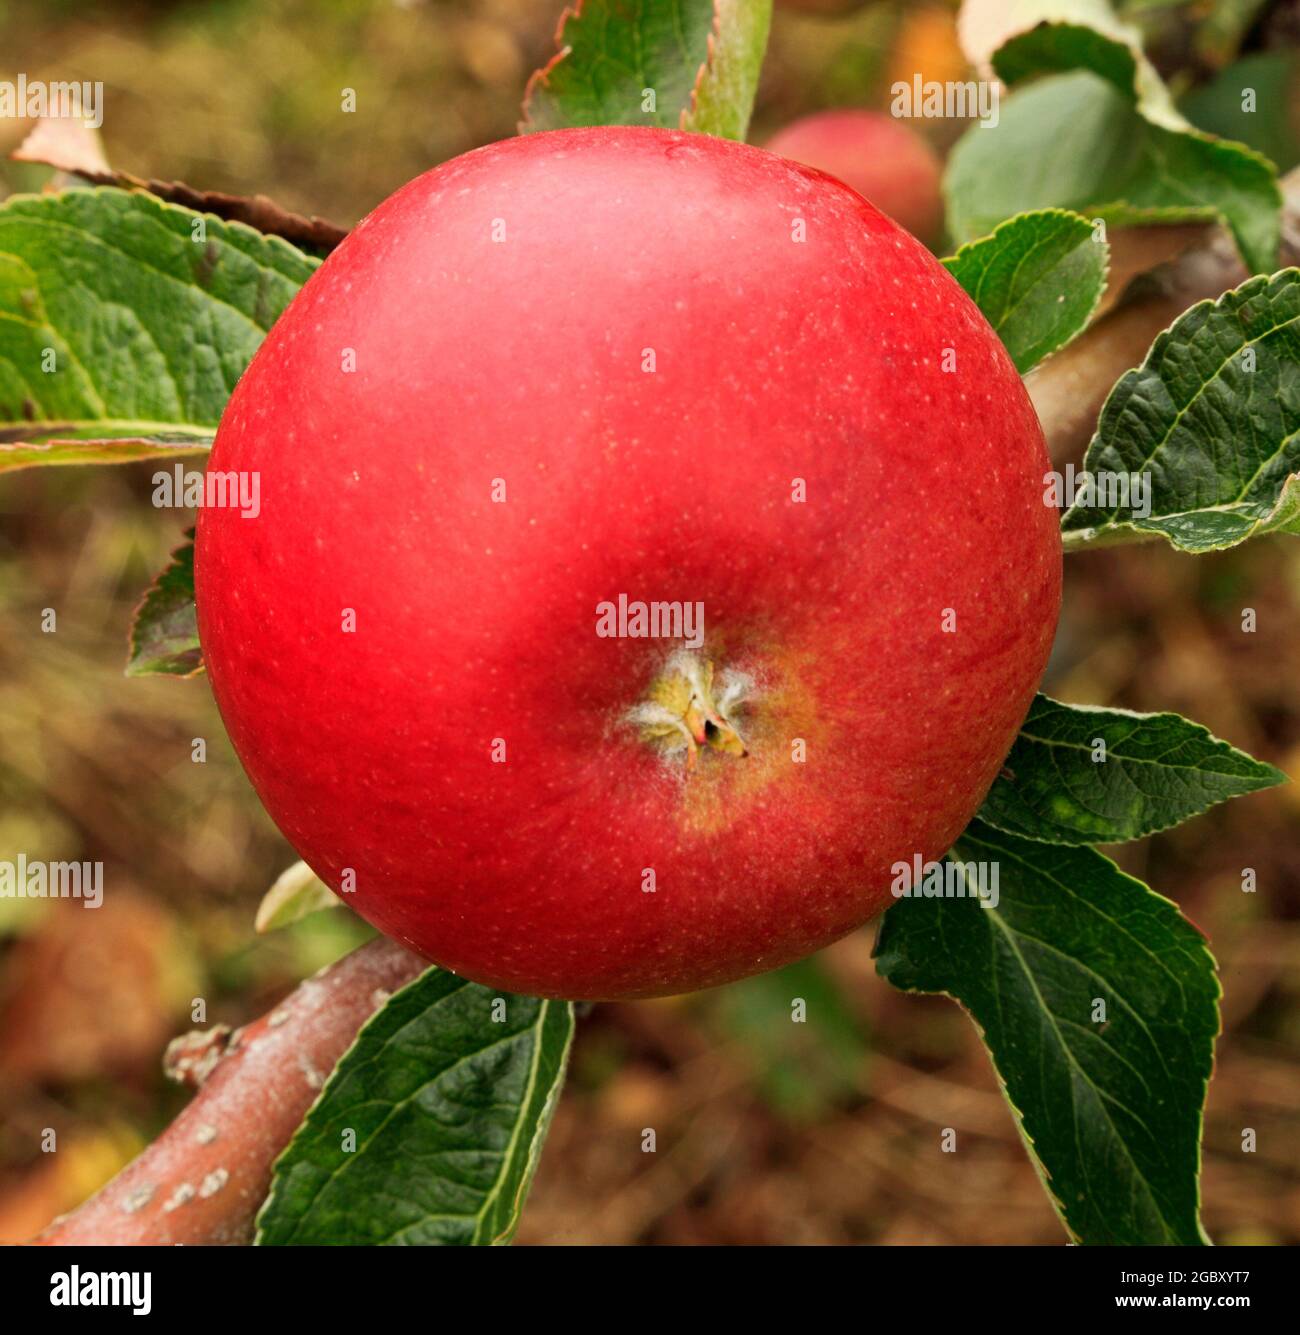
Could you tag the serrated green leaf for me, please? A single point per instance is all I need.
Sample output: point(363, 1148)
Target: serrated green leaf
point(1154, 771)
point(1218, 441)
point(724, 95)
point(1109, 1107)
point(677, 64)
point(1074, 141)
point(1270, 124)
point(1037, 280)
point(1157, 168)
point(1026, 38)
point(165, 630)
point(449, 1106)
point(127, 320)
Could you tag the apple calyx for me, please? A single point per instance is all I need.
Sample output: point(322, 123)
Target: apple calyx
point(681, 711)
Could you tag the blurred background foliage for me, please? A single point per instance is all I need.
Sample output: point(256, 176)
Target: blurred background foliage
point(768, 1131)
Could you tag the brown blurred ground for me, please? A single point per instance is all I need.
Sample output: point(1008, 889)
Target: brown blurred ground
point(767, 1132)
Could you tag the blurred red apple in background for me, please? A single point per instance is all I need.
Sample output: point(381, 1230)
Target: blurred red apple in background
point(876, 154)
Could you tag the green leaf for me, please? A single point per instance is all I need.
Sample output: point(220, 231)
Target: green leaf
point(449, 1105)
point(127, 320)
point(1217, 441)
point(165, 631)
point(57, 445)
point(698, 59)
point(1110, 1107)
point(1271, 125)
point(1037, 280)
point(1156, 162)
point(1157, 770)
point(1034, 37)
point(297, 893)
point(724, 94)
point(1074, 141)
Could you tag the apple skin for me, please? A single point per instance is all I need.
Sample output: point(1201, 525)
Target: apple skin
point(522, 359)
point(878, 156)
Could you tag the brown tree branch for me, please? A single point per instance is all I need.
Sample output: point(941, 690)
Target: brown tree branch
point(202, 1181)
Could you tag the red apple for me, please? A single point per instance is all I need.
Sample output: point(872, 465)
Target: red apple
point(602, 364)
point(878, 156)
